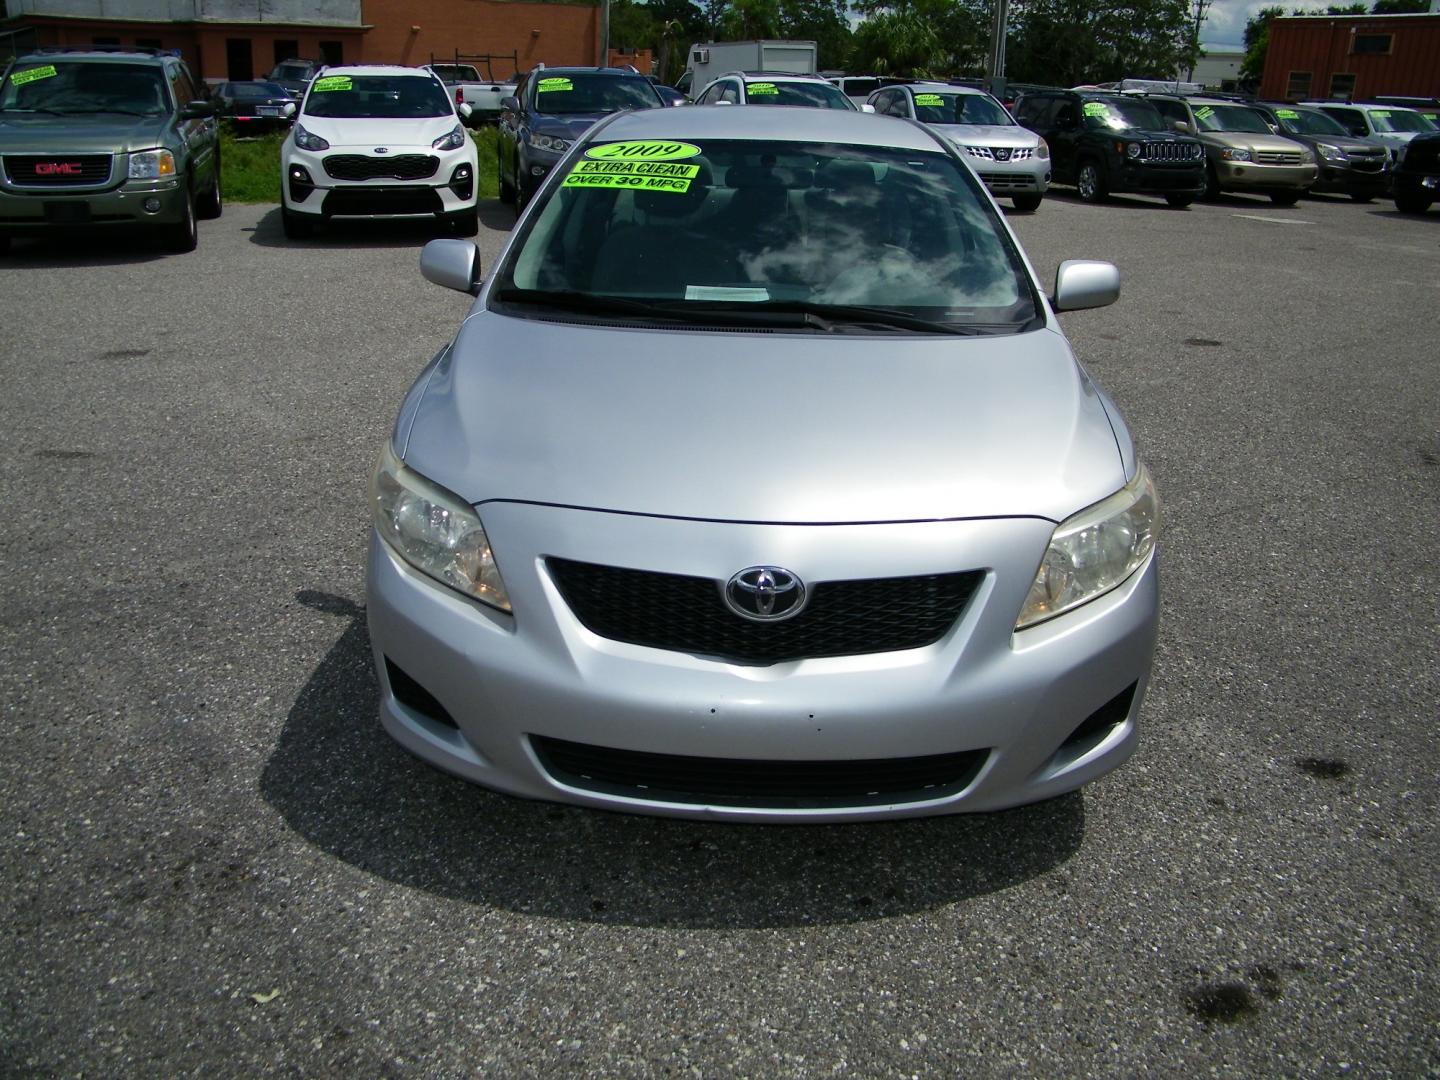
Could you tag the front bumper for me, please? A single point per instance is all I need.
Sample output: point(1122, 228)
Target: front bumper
point(1166, 179)
point(306, 186)
point(505, 681)
point(1256, 176)
point(1339, 177)
point(1029, 176)
point(124, 204)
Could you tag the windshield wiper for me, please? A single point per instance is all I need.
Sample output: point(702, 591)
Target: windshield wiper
point(34, 109)
point(741, 314)
point(860, 315)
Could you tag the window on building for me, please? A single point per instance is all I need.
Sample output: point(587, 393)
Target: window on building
point(1342, 87)
point(239, 65)
point(286, 50)
point(148, 42)
point(1371, 44)
point(1298, 87)
point(332, 52)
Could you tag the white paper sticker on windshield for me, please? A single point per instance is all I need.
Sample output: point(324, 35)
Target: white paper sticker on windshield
point(726, 292)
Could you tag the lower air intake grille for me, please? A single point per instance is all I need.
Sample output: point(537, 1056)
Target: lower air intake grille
point(689, 614)
point(797, 785)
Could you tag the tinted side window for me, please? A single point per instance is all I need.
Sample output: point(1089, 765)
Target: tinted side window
point(729, 92)
point(180, 87)
point(1171, 110)
point(900, 104)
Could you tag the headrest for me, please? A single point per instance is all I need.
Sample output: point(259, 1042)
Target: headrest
point(751, 177)
point(839, 174)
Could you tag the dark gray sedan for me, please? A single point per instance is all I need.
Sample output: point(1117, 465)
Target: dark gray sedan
point(761, 483)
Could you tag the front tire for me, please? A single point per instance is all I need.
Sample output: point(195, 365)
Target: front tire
point(1412, 202)
point(1090, 182)
point(464, 222)
point(1284, 198)
point(1179, 202)
point(1026, 204)
point(296, 226)
point(1212, 184)
point(507, 189)
point(183, 236)
point(212, 203)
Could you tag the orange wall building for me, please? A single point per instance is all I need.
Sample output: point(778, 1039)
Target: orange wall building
point(516, 35)
point(1339, 56)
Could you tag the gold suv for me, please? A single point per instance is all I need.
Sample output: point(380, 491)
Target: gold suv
point(1241, 152)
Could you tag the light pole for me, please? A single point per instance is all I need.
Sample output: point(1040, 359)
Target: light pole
point(997, 43)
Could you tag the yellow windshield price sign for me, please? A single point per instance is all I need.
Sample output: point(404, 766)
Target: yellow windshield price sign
point(333, 82)
point(929, 99)
point(761, 89)
point(554, 83)
point(1096, 108)
point(1287, 114)
point(671, 176)
point(643, 150)
point(20, 78)
point(1204, 112)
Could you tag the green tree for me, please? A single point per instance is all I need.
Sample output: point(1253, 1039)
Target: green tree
point(1257, 43)
point(746, 20)
point(921, 38)
point(896, 43)
point(1400, 7)
point(1066, 42)
point(821, 21)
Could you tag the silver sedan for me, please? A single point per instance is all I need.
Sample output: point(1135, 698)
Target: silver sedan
point(760, 483)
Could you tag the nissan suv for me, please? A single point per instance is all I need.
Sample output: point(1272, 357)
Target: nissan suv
point(1241, 152)
point(94, 139)
point(1105, 143)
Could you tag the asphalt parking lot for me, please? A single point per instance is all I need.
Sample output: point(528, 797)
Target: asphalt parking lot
point(214, 860)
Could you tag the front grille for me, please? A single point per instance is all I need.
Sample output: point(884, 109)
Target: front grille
point(798, 785)
point(980, 152)
point(1171, 151)
point(57, 170)
point(1007, 180)
point(361, 167)
point(1423, 155)
point(686, 614)
point(1277, 157)
point(381, 200)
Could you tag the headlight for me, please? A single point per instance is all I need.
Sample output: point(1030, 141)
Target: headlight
point(152, 164)
point(1308, 158)
point(1043, 151)
point(434, 531)
point(1132, 150)
point(1331, 153)
point(305, 141)
point(1235, 155)
point(550, 143)
point(453, 140)
point(1094, 551)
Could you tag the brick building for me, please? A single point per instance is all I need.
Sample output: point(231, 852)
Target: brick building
point(1339, 56)
point(241, 39)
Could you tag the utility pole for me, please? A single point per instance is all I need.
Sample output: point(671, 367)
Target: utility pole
point(998, 27)
point(604, 33)
point(1199, 10)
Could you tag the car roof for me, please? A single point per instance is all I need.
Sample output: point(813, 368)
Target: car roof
point(931, 87)
point(777, 76)
point(777, 122)
point(547, 72)
point(377, 69)
point(122, 56)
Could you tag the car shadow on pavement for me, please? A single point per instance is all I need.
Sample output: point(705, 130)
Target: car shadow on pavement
point(496, 216)
point(341, 783)
point(1432, 215)
point(351, 235)
point(63, 250)
point(1118, 202)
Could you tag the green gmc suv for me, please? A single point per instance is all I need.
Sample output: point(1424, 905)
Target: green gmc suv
point(96, 139)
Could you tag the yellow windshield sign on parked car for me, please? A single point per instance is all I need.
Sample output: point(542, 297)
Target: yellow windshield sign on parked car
point(929, 99)
point(554, 83)
point(643, 150)
point(33, 75)
point(760, 89)
point(333, 82)
point(668, 176)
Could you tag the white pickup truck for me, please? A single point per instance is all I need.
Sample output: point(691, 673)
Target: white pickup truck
point(466, 87)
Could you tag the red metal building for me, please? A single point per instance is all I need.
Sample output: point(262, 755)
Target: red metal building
point(1340, 56)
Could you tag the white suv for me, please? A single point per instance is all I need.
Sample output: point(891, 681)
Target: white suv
point(377, 141)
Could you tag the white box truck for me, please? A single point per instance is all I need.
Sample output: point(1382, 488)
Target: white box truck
point(712, 59)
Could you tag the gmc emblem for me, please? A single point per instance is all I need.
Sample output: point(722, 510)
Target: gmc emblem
point(57, 168)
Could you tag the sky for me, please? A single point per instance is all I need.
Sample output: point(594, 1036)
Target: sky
point(1225, 24)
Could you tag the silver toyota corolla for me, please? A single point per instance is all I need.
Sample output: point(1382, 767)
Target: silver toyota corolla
point(760, 483)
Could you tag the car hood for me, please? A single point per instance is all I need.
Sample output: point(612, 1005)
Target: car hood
point(1250, 140)
point(773, 427)
point(109, 133)
point(369, 132)
point(566, 127)
point(988, 134)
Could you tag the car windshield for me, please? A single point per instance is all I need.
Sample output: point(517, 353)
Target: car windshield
point(813, 95)
point(811, 236)
point(260, 90)
point(1122, 114)
point(939, 107)
point(583, 92)
point(1399, 120)
point(294, 72)
point(89, 87)
point(1230, 118)
point(1308, 122)
point(390, 97)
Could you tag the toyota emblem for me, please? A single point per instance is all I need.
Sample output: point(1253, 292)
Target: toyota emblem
point(765, 594)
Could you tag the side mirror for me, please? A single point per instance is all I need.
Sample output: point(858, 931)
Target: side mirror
point(867, 108)
point(464, 110)
point(510, 103)
point(1182, 126)
point(454, 264)
point(197, 110)
point(1079, 284)
point(678, 102)
point(289, 108)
